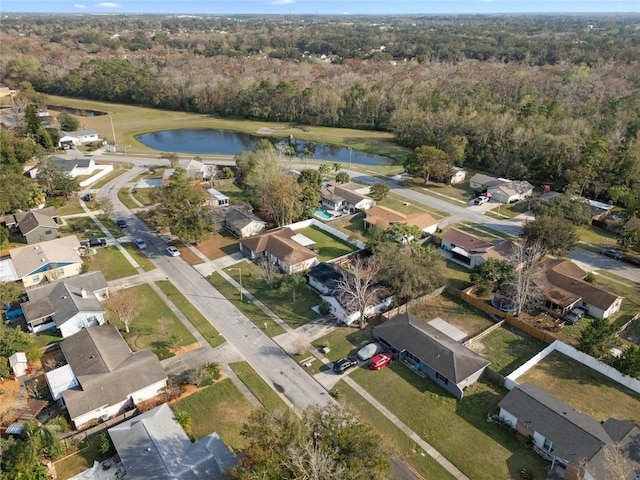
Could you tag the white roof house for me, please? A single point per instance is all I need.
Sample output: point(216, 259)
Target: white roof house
point(18, 363)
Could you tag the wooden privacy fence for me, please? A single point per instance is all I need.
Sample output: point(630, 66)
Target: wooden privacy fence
point(89, 433)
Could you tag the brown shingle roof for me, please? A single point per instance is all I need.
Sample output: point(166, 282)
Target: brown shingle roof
point(388, 217)
point(62, 250)
point(278, 243)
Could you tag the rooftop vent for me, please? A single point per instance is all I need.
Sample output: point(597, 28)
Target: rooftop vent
point(83, 292)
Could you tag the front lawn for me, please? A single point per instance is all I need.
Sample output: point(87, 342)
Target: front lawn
point(81, 227)
point(111, 263)
point(125, 198)
point(345, 341)
point(456, 428)
point(630, 302)
point(405, 206)
point(295, 314)
point(137, 254)
point(143, 195)
point(253, 312)
point(597, 236)
point(155, 326)
point(327, 246)
point(506, 350)
point(456, 312)
point(218, 245)
point(261, 389)
point(219, 408)
point(71, 207)
point(458, 191)
point(204, 326)
point(584, 389)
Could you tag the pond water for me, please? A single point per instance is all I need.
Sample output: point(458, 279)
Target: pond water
point(80, 112)
point(222, 142)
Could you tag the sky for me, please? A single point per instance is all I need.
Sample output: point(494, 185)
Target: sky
point(321, 7)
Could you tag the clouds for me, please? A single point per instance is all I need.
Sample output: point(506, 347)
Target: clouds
point(79, 6)
point(108, 5)
point(283, 2)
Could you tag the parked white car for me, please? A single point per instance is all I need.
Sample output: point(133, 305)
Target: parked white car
point(480, 200)
point(173, 251)
point(141, 244)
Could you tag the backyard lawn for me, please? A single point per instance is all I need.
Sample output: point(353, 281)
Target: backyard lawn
point(456, 312)
point(219, 408)
point(456, 428)
point(261, 389)
point(234, 192)
point(155, 326)
point(327, 246)
point(253, 312)
point(111, 263)
point(584, 389)
point(395, 439)
point(507, 350)
point(204, 326)
point(295, 314)
point(456, 275)
point(81, 460)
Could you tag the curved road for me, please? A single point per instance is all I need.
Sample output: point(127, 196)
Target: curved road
point(265, 356)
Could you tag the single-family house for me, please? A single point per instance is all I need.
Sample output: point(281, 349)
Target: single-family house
point(35, 225)
point(502, 190)
point(430, 353)
point(78, 137)
point(243, 223)
point(47, 261)
point(566, 290)
point(103, 377)
point(454, 176)
point(282, 246)
point(599, 210)
point(68, 305)
point(470, 250)
point(216, 198)
point(573, 442)
point(387, 218)
point(74, 167)
point(195, 170)
point(326, 277)
point(345, 198)
point(153, 445)
point(18, 364)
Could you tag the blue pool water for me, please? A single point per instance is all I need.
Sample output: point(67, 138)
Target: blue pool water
point(323, 214)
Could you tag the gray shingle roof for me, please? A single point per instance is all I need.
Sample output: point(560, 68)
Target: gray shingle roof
point(406, 332)
point(239, 219)
point(154, 446)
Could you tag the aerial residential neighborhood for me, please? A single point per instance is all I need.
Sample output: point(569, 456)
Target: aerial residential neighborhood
point(433, 275)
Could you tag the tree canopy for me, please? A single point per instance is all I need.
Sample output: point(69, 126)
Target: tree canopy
point(570, 207)
point(426, 161)
point(555, 234)
point(323, 443)
point(598, 338)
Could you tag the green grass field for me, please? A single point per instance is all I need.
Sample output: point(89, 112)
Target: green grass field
point(327, 246)
point(81, 460)
point(137, 254)
point(506, 350)
point(204, 326)
point(155, 326)
point(261, 389)
point(111, 263)
point(219, 408)
point(125, 198)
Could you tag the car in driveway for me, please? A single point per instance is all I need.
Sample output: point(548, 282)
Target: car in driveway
point(141, 244)
point(94, 242)
point(88, 197)
point(380, 361)
point(574, 316)
point(121, 223)
point(480, 200)
point(345, 364)
point(368, 351)
point(173, 251)
point(611, 252)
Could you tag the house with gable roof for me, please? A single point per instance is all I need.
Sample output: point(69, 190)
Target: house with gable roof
point(35, 225)
point(103, 377)
point(573, 442)
point(502, 190)
point(291, 251)
point(73, 167)
point(243, 223)
point(567, 289)
point(47, 261)
point(68, 305)
point(78, 137)
point(430, 353)
point(470, 250)
point(387, 218)
point(345, 198)
point(153, 445)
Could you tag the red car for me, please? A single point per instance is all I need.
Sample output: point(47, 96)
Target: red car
point(379, 361)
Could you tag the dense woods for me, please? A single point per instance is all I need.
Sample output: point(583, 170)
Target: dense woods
point(554, 100)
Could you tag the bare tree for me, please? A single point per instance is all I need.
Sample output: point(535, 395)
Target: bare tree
point(358, 288)
point(125, 306)
point(106, 205)
point(617, 464)
point(526, 290)
point(269, 271)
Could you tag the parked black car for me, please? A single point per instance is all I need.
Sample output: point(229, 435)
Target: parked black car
point(632, 260)
point(611, 252)
point(345, 364)
point(97, 242)
point(121, 223)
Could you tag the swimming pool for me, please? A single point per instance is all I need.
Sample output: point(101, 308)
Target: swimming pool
point(322, 214)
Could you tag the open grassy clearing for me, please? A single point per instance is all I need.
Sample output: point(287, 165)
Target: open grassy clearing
point(295, 314)
point(407, 207)
point(597, 236)
point(456, 428)
point(125, 198)
point(143, 195)
point(458, 191)
point(146, 264)
point(456, 312)
point(261, 389)
point(327, 246)
point(218, 245)
point(253, 312)
point(111, 263)
point(219, 408)
point(81, 227)
point(129, 121)
point(81, 460)
point(584, 389)
point(204, 326)
point(507, 350)
point(394, 438)
point(155, 326)
point(71, 207)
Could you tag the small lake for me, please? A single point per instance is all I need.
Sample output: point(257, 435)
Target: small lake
point(222, 142)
